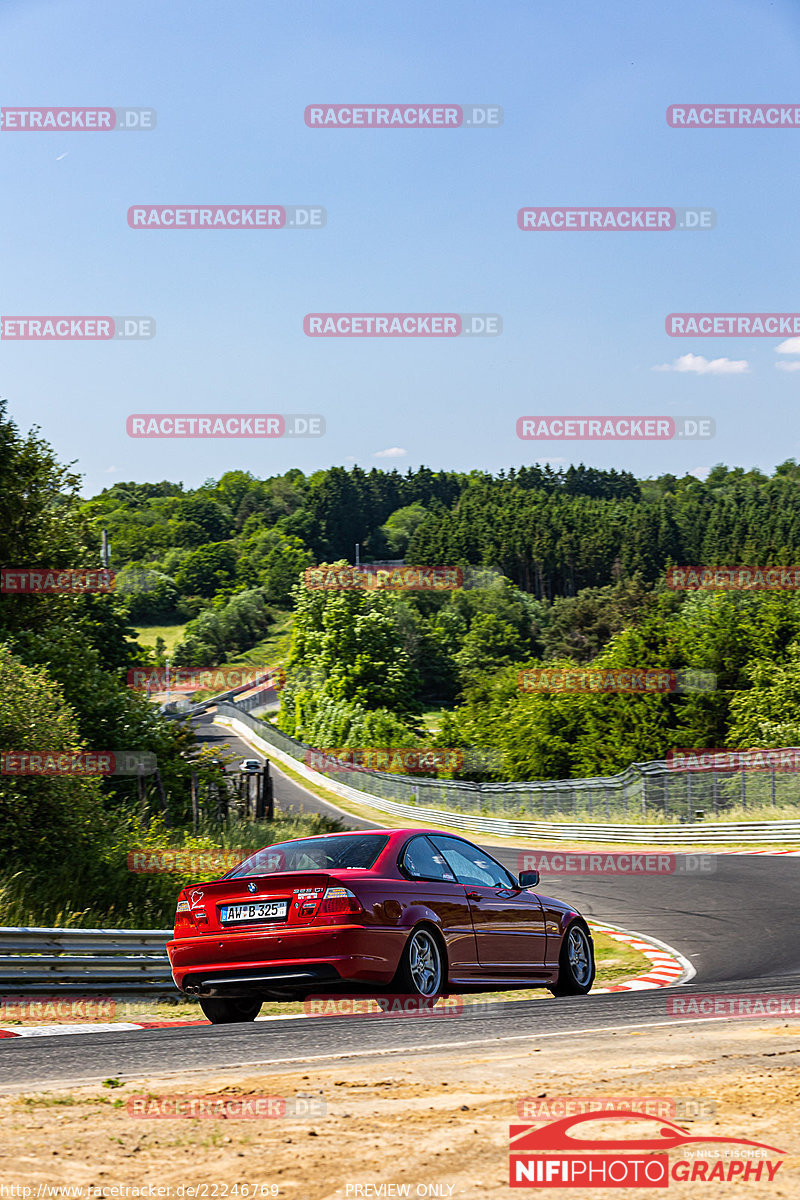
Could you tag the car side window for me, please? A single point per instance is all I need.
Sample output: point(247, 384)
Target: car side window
point(471, 865)
point(421, 860)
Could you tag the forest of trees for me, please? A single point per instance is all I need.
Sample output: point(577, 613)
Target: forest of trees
point(575, 565)
point(565, 568)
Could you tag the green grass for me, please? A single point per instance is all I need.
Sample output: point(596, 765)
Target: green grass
point(268, 654)
point(105, 892)
point(431, 717)
point(172, 634)
point(271, 650)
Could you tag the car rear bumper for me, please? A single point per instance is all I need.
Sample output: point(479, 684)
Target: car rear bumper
point(297, 961)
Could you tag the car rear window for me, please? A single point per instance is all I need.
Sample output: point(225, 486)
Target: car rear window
point(314, 854)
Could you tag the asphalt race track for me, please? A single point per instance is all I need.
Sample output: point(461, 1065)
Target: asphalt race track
point(738, 927)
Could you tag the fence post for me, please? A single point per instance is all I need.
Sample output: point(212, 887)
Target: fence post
point(268, 799)
point(195, 803)
point(644, 794)
point(773, 783)
point(605, 797)
point(162, 797)
point(744, 789)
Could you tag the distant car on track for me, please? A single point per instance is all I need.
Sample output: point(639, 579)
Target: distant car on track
point(415, 911)
point(249, 766)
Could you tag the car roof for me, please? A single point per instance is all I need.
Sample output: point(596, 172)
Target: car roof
point(394, 834)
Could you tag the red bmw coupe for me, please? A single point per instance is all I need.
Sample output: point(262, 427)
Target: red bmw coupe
point(403, 910)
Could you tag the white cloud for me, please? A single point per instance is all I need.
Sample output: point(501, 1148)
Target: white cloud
point(790, 346)
point(544, 461)
point(697, 365)
point(788, 366)
point(700, 472)
point(392, 452)
point(110, 470)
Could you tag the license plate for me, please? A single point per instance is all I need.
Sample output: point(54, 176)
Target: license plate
point(261, 910)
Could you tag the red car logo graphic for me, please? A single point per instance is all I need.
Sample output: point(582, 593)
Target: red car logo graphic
point(556, 1136)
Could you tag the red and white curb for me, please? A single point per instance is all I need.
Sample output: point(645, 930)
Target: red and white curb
point(93, 1027)
point(669, 965)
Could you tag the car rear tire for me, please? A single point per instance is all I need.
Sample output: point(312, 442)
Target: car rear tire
point(422, 967)
point(230, 1011)
point(576, 967)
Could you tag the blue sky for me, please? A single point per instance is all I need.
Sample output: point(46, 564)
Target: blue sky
point(417, 221)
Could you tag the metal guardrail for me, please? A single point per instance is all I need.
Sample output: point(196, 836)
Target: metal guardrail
point(84, 960)
point(470, 806)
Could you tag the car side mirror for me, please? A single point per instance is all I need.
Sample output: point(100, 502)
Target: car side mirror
point(528, 879)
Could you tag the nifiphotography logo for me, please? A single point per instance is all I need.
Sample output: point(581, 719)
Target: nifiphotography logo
point(554, 1156)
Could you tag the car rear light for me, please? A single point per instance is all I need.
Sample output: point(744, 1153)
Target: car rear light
point(338, 900)
point(183, 916)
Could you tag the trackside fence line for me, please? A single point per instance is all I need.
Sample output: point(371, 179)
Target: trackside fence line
point(682, 800)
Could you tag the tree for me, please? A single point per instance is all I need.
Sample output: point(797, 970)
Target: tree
point(149, 595)
point(400, 526)
point(207, 570)
point(39, 813)
point(275, 561)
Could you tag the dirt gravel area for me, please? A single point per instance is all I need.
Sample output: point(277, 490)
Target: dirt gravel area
point(428, 1124)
